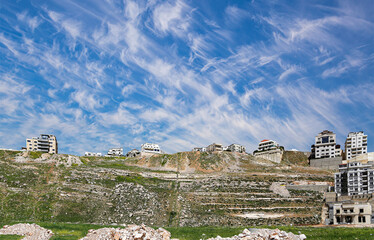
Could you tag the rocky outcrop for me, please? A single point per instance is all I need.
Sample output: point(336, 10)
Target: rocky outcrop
point(270, 234)
point(57, 159)
point(30, 231)
point(280, 189)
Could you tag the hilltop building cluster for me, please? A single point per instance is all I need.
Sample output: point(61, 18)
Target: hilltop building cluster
point(217, 147)
point(91, 154)
point(326, 153)
point(352, 198)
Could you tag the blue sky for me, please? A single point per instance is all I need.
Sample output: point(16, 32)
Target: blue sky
point(101, 74)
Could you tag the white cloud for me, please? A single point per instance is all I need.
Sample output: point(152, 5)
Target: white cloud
point(88, 100)
point(235, 14)
point(169, 17)
point(287, 72)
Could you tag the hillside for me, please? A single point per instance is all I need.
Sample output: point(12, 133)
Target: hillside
point(183, 189)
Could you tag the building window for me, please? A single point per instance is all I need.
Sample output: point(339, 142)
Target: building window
point(337, 210)
point(361, 210)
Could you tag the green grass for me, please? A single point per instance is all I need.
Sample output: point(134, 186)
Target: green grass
point(68, 231)
point(121, 165)
point(189, 233)
point(325, 233)
point(35, 155)
point(10, 237)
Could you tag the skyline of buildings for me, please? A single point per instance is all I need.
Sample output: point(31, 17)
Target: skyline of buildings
point(325, 146)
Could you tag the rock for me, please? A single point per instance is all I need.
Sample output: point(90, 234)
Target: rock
point(131, 232)
point(30, 231)
point(279, 189)
point(271, 234)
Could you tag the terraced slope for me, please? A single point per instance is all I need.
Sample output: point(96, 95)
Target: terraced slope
point(184, 189)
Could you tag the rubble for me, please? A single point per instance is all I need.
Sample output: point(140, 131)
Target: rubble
point(132, 232)
point(30, 231)
point(263, 234)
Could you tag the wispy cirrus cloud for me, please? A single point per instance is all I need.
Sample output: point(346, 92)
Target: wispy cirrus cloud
point(182, 74)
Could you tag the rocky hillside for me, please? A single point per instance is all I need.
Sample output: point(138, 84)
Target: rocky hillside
point(183, 189)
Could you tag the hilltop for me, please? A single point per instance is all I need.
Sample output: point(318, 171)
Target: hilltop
point(182, 189)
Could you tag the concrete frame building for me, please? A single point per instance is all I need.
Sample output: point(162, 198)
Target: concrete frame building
point(114, 152)
point(325, 146)
point(354, 178)
point(150, 148)
point(91, 154)
point(214, 147)
point(133, 153)
point(355, 144)
point(236, 148)
point(44, 143)
point(349, 213)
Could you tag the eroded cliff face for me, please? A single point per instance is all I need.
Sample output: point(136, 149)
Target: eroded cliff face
point(184, 189)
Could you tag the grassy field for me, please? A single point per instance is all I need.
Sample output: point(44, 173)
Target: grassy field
point(66, 231)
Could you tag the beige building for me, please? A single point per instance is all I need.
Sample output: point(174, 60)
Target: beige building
point(214, 147)
point(44, 143)
point(350, 213)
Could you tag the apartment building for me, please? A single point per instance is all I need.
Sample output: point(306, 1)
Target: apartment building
point(91, 154)
point(214, 147)
point(236, 148)
point(150, 148)
point(44, 143)
point(325, 146)
point(115, 152)
point(354, 178)
point(355, 144)
point(266, 145)
point(270, 150)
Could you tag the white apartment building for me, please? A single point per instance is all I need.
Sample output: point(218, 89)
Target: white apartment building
point(266, 145)
point(355, 144)
point(44, 143)
point(115, 152)
point(91, 154)
point(325, 145)
point(150, 148)
point(236, 148)
point(354, 178)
